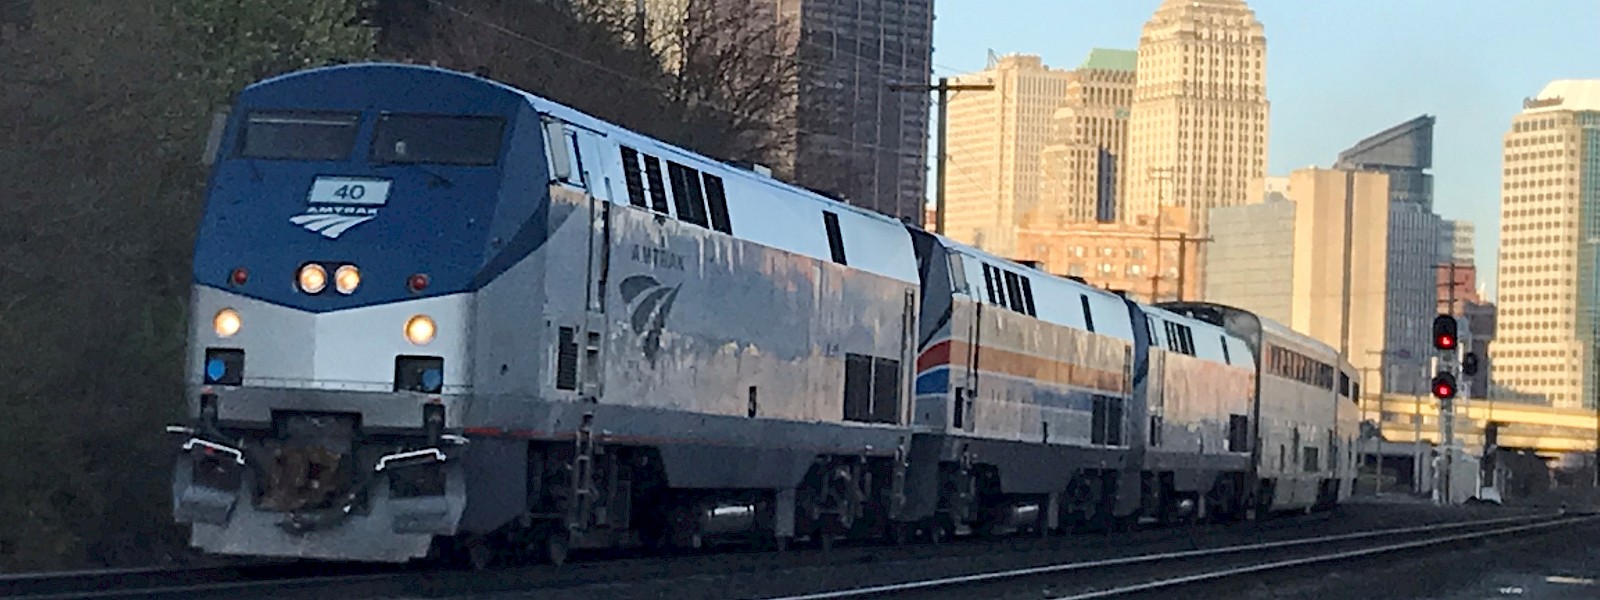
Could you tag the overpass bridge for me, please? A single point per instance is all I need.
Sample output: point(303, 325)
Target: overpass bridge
point(1551, 432)
point(1406, 447)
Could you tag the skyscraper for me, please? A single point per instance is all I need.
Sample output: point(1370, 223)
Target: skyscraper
point(1197, 135)
point(1549, 293)
point(1457, 275)
point(1286, 260)
point(995, 139)
point(1081, 165)
point(1405, 153)
point(857, 138)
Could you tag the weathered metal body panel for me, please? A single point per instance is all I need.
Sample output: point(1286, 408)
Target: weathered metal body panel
point(1023, 393)
point(1202, 376)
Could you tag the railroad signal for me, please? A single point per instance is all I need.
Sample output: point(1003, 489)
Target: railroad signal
point(1444, 385)
point(1469, 364)
point(1444, 332)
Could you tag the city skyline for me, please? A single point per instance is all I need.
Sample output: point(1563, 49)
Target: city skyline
point(1479, 79)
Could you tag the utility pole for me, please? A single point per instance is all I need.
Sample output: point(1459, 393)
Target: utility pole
point(639, 26)
point(1183, 241)
point(943, 88)
point(1161, 175)
point(1450, 299)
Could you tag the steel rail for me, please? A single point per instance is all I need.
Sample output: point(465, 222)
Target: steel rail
point(1150, 558)
point(1321, 558)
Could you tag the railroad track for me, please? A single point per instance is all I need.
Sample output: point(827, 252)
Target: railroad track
point(147, 582)
point(1132, 575)
point(263, 579)
point(628, 577)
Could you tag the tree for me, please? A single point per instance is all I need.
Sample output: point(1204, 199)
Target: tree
point(711, 75)
point(108, 104)
point(104, 109)
point(731, 80)
point(227, 44)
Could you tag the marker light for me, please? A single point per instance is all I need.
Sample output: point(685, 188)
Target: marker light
point(418, 282)
point(226, 323)
point(420, 329)
point(346, 279)
point(239, 276)
point(313, 278)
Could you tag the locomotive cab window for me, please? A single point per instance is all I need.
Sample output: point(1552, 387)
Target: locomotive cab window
point(438, 139)
point(288, 135)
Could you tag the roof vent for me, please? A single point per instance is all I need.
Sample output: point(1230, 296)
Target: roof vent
point(752, 166)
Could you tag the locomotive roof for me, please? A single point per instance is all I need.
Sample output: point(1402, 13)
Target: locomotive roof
point(879, 243)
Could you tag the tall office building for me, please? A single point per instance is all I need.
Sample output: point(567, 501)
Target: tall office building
point(994, 144)
point(854, 137)
point(857, 137)
point(1286, 259)
point(1089, 139)
point(1457, 242)
point(1549, 291)
point(1457, 273)
point(1197, 135)
point(1405, 153)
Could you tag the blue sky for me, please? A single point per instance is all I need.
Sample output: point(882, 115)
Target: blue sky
point(1340, 70)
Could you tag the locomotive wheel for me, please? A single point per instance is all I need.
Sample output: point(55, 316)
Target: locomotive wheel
point(1223, 503)
point(938, 533)
point(475, 552)
point(900, 533)
point(557, 544)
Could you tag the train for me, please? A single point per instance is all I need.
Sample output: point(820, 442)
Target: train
point(434, 315)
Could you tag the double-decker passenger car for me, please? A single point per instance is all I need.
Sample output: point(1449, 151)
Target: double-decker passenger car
point(1307, 411)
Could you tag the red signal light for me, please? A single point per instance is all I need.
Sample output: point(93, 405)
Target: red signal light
point(239, 276)
point(1445, 342)
point(1444, 385)
point(418, 282)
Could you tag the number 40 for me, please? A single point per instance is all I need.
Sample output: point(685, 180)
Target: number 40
point(350, 192)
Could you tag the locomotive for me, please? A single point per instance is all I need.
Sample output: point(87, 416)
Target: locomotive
point(435, 314)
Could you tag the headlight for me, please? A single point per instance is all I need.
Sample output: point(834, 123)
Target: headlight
point(420, 329)
point(226, 323)
point(346, 279)
point(313, 278)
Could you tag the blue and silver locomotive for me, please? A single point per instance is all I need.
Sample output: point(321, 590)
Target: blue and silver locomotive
point(434, 312)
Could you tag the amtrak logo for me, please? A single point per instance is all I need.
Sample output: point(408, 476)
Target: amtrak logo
point(333, 221)
point(649, 315)
point(335, 204)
